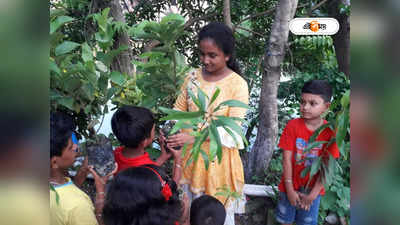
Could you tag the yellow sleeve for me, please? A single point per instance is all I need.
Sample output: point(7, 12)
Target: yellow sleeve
point(181, 102)
point(241, 93)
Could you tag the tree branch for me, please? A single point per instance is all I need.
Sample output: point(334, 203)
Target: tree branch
point(193, 20)
point(242, 28)
point(269, 11)
point(316, 6)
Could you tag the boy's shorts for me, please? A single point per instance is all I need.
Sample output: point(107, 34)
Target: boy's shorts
point(286, 213)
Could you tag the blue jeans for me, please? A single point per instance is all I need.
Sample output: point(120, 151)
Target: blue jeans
point(286, 213)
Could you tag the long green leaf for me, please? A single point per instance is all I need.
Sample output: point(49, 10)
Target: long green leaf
point(65, 47)
point(317, 132)
point(228, 122)
point(182, 115)
point(167, 110)
point(305, 171)
point(232, 135)
point(205, 158)
point(57, 23)
point(213, 146)
point(232, 103)
point(202, 99)
point(181, 124)
point(215, 95)
point(313, 145)
point(316, 164)
point(215, 135)
point(194, 99)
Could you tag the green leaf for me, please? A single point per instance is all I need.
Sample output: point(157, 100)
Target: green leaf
point(202, 99)
point(195, 100)
point(318, 132)
point(182, 115)
point(313, 145)
point(214, 136)
point(231, 134)
point(305, 171)
point(61, 20)
point(215, 95)
point(228, 122)
point(316, 164)
point(205, 158)
point(232, 103)
point(65, 47)
point(67, 102)
point(87, 54)
point(181, 124)
point(117, 78)
point(53, 67)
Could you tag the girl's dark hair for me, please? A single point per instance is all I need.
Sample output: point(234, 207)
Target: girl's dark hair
point(61, 128)
point(131, 125)
point(223, 37)
point(134, 198)
point(207, 210)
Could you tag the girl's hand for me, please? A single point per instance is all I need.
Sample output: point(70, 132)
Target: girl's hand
point(164, 153)
point(178, 140)
point(100, 182)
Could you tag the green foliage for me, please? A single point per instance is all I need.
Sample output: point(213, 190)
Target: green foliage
point(80, 77)
point(162, 69)
point(204, 125)
point(228, 193)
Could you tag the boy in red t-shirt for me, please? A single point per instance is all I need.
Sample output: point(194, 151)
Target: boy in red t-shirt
point(134, 128)
point(298, 202)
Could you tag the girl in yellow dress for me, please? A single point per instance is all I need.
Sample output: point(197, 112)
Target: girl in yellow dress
point(216, 45)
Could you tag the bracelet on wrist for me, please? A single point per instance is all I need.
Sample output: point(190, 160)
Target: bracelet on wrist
point(288, 181)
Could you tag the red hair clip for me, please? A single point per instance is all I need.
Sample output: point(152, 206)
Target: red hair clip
point(165, 188)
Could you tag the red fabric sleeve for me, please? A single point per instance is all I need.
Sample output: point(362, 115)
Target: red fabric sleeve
point(288, 139)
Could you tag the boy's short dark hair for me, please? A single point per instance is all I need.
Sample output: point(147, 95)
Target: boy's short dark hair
point(61, 128)
point(318, 87)
point(207, 210)
point(131, 125)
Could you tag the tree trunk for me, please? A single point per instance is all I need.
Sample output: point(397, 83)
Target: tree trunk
point(265, 143)
point(227, 13)
point(122, 62)
point(341, 40)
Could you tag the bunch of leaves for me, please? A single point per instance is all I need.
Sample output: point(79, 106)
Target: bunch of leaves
point(79, 71)
point(162, 69)
point(227, 193)
point(204, 124)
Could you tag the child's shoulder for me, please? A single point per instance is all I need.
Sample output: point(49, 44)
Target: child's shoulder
point(297, 122)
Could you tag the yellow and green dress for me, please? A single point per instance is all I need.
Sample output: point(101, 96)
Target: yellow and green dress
point(229, 172)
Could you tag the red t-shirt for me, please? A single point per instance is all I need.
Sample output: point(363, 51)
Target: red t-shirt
point(295, 138)
point(124, 162)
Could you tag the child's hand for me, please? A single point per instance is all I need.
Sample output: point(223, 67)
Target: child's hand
point(294, 198)
point(100, 182)
point(162, 141)
point(306, 200)
point(178, 140)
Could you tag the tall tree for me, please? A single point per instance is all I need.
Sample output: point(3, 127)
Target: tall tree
point(122, 62)
point(265, 143)
point(227, 13)
point(339, 9)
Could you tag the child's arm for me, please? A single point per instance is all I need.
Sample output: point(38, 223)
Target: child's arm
point(82, 173)
point(100, 183)
point(307, 199)
point(292, 195)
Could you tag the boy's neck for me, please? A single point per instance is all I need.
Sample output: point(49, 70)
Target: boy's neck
point(57, 176)
point(313, 124)
point(133, 152)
